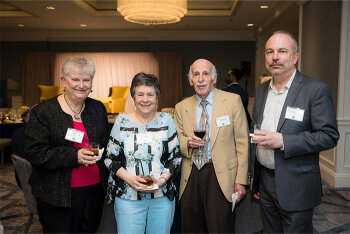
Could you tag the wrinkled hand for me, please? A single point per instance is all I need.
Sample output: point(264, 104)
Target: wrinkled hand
point(271, 140)
point(136, 182)
point(240, 189)
point(86, 157)
point(195, 142)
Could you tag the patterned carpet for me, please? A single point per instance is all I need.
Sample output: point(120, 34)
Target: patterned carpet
point(332, 216)
point(13, 210)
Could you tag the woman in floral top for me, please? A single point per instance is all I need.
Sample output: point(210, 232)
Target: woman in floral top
point(143, 142)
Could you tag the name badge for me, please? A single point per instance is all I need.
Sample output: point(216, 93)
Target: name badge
point(143, 138)
point(74, 135)
point(222, 121)
point(294, 113)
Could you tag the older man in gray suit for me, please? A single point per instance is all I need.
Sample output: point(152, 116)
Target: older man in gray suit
point(294, 119)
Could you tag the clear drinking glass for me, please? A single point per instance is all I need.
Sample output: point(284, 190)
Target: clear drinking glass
point(199, 130)
point(94, 147)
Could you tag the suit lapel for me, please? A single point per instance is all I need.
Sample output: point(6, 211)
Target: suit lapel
point(190, 117)
point(292, 94)
point(219, 109)
point(260, 105)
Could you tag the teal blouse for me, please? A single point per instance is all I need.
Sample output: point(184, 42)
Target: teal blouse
point(143, 149)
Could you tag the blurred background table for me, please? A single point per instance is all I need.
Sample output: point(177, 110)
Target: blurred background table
point(7, 129)
point(6, 132)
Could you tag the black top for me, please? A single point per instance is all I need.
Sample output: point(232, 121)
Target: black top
point(53, 157)
point(237, 89)
point(18, 142)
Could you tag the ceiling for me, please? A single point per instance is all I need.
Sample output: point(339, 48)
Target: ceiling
point(216, 17)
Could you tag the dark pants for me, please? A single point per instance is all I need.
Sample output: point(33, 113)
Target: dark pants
point(276, 219)
point(204, 207)
point(83, 216)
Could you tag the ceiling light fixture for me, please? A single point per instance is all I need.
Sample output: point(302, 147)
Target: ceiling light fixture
point(250, 25)
point(83, 25)
point(264, 7)
point(50, 7)
point(152, 12)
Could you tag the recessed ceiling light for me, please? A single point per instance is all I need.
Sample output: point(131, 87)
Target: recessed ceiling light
point(264, 7)
point(83, 25)
point(20, 25)
point(250, 25)
point(50, 8)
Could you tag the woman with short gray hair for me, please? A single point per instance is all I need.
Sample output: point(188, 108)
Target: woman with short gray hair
point(67, 176)
point(143, 157)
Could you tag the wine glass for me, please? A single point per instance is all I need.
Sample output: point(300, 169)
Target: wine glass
point(199, 130)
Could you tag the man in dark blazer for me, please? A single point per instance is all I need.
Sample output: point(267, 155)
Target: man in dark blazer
point(232, 78)
point(294, 119)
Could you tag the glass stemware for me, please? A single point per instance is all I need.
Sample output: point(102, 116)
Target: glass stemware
point(199, 130)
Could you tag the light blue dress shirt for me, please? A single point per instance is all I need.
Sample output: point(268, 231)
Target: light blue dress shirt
point(209, 108)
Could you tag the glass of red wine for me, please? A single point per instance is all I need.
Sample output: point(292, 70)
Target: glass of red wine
point(199, 131)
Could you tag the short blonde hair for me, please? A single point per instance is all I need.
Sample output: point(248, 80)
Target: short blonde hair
point(85, 65)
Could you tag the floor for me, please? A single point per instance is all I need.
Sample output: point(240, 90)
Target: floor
point(13, 210)
point(332, 216)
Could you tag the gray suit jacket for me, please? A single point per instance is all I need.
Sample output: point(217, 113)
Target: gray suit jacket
point(297, 171)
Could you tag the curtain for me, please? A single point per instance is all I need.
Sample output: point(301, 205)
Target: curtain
point(170, 78)
point(36, 70)
point(116, 68)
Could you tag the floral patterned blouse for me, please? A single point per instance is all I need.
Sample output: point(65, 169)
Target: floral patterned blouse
point(143, 149)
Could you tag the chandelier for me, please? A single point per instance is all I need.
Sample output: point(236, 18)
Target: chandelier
point(150, 12)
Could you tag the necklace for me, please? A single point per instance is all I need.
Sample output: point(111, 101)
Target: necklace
point(76, 114)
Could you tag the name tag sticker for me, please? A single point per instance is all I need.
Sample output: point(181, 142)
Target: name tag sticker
point(294, 113)
point(222, 121)
point(74, 135)
point(144, 138)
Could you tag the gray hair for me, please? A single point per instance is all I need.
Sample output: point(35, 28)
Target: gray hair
point(85, 65)
point(213, 72)
point(147, 80)
point(295, 43)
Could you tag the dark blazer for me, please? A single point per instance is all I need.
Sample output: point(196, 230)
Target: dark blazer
point(237, 89)
point(53, 157)
point(297, 171)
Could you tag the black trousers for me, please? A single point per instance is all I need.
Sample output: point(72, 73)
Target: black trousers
point(82, 217)
point(276, 219)
point(204, 208)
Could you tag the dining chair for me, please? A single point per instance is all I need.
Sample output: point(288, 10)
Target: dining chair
point(24, 169)
point(116, 102)
point(48, 91)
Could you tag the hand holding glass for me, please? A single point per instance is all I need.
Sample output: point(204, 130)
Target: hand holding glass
point(199, 130)
point(93, 147)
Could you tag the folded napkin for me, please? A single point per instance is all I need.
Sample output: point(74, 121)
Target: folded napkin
point(100, 152)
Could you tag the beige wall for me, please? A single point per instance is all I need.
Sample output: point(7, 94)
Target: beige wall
point(284, 23)
point(321, 42)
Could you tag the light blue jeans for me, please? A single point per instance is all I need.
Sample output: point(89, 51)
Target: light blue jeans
point(144, 216)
